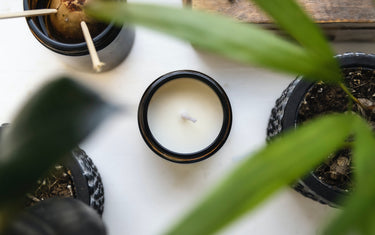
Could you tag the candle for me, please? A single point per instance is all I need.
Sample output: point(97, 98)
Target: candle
point(185, 116)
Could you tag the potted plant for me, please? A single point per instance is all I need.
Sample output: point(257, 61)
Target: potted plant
point(298, 150)
point(303, 100)
point(69, 178)
point(46, 129)
point(62, 34)
point(75, 177)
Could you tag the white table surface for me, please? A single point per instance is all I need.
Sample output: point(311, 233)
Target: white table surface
point(145, 194)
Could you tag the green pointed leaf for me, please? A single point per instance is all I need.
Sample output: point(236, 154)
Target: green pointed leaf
point(49, 126)
point(359, 213)
point(242, 42)
point(290, 17)
point(278, 164)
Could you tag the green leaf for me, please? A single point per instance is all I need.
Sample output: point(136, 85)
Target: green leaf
point(242, 42)
point(278, 164)
point(359, 212)
point(290, 17)
point(49, 126)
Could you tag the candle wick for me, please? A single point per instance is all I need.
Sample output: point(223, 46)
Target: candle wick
point(187, 117)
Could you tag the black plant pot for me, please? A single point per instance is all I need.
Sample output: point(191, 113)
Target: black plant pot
point(285, 115)
point(113, 44)
point(87, 182)
point(86, 179)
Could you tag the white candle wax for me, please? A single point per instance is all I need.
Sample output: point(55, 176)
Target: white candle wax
point(185, 115)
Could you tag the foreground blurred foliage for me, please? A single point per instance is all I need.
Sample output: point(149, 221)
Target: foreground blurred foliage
point(50, 124)
point(296, 152)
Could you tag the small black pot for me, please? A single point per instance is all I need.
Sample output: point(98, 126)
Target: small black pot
point(284, 116)
point(86, 179)
point(113, 44)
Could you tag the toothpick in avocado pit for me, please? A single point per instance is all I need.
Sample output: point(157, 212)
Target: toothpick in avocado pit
point(28, 13)
point(96, 63)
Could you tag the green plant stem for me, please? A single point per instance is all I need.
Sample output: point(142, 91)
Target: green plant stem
point(346, 90)
point(350, 104)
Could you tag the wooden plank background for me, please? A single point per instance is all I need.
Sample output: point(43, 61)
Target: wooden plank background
point(342, 20)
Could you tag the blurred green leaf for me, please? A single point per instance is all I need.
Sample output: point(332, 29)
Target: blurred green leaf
point(290, 17)
point(278, 164)
point(359, 213)
point(364, 154)
point(242, 42)
point(49, 126)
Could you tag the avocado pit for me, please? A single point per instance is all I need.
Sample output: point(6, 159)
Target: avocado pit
point(64, 26)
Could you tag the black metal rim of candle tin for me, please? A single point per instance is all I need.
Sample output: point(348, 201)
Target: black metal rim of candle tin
point(38, 28)
point(284, 116)
point(172, 155)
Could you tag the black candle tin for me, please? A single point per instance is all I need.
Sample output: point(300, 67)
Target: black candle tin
point(173, 156)
point(113, 44)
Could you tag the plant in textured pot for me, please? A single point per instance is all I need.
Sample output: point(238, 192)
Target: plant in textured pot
point(52, 122)
point(76, 177)
point(303, 100)
point(294, 153)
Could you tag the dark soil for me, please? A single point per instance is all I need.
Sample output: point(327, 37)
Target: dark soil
point(323, 99)
point(57, 183)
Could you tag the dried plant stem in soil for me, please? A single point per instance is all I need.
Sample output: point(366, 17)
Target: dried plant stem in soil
point(356, 94)
point(57, 183)
point(360, 102)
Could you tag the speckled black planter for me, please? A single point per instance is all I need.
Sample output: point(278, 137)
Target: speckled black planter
point(284, 116)
point(86, 179)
